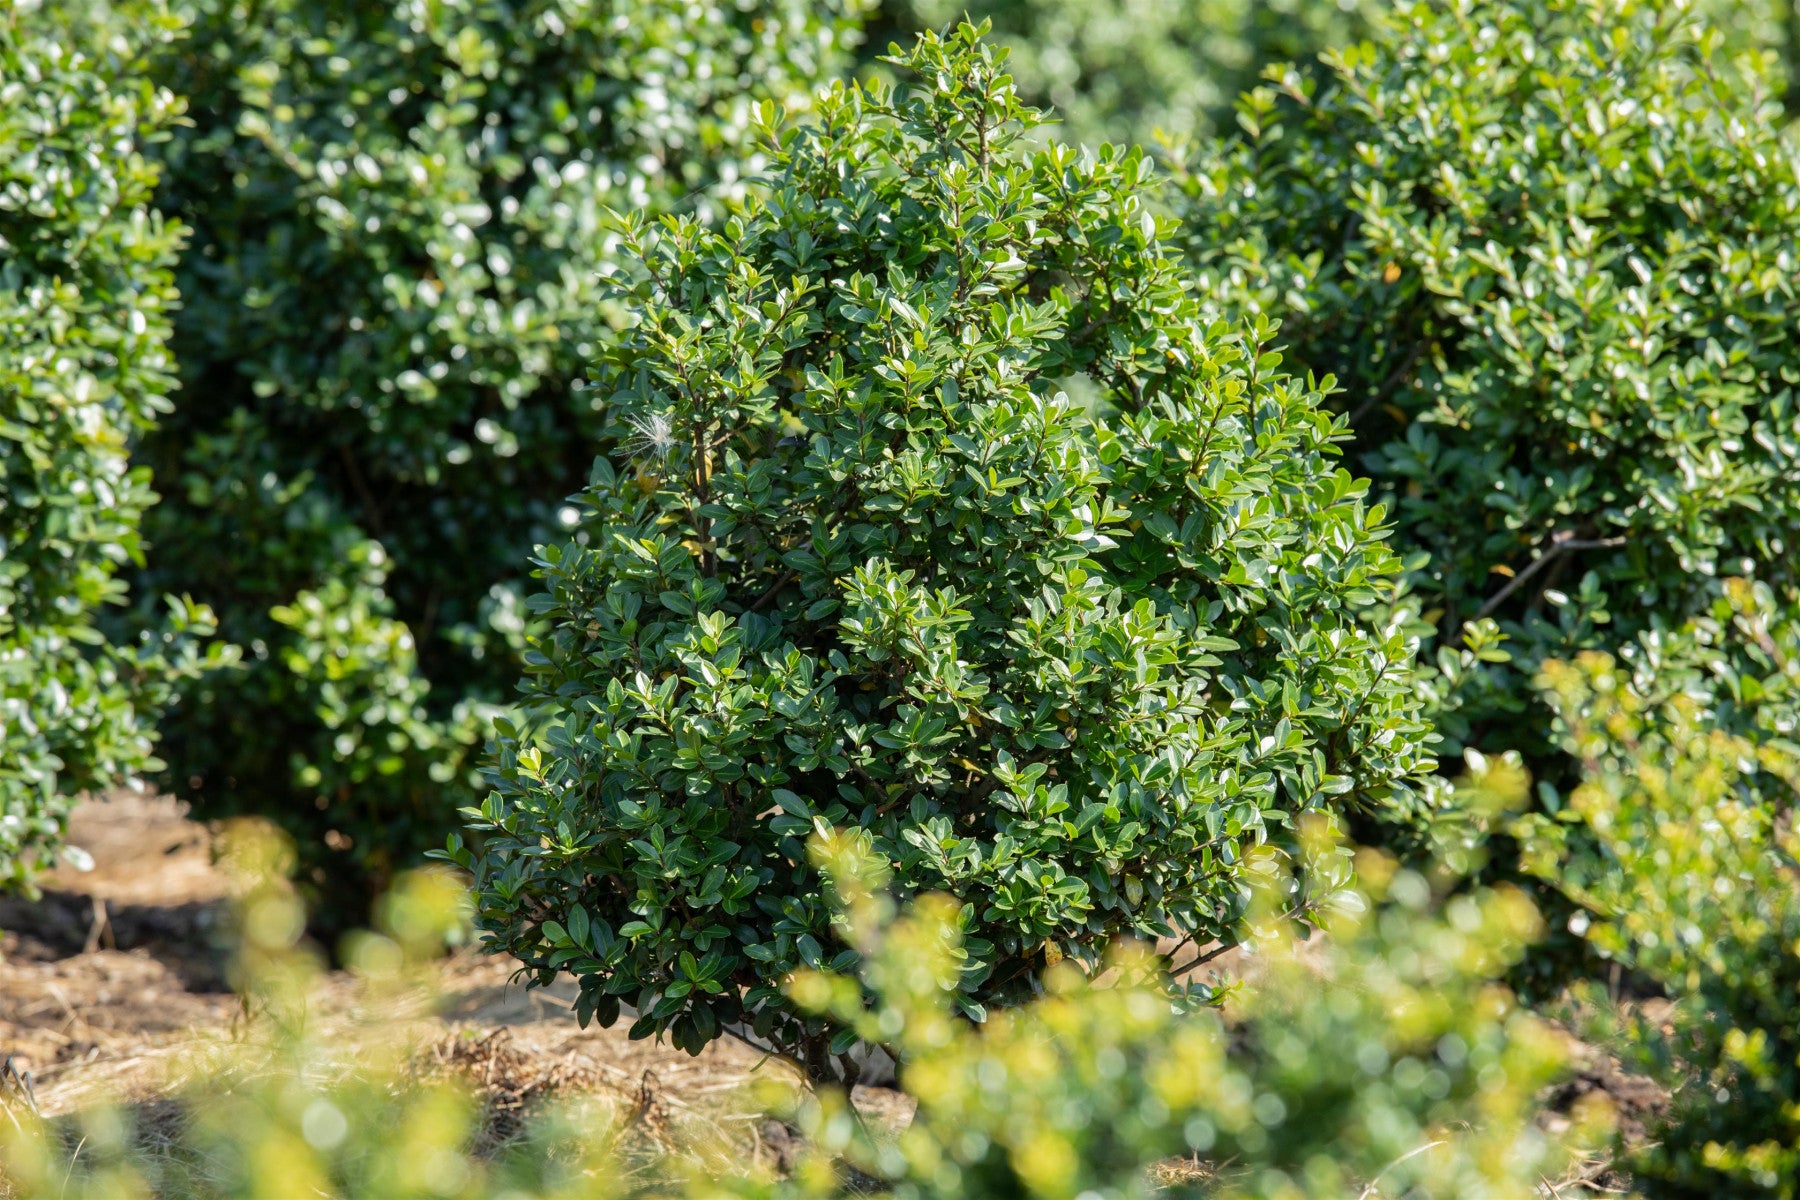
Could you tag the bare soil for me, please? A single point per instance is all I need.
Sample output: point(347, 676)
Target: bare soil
point(119, 961)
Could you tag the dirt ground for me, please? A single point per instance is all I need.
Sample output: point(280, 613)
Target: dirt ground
point(118, 962)
point(115, 974)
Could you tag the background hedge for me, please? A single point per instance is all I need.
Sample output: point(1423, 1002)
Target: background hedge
point(1548, 248)
point(396, 279)
point(1121, 70)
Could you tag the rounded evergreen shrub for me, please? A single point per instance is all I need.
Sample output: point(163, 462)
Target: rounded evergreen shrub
point(863, 564)
point(85, 295)
point(1549, 248)
point(391, 293)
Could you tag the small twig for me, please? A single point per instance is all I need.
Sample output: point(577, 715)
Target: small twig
point(99, 928)
point(70, 1172)
point(787, 578)
point(1200, 960)
point(767, 1051)
point(361, 487)
point(14, 1082)
point(77, 1022)
point(756, 1144)
point(1384, 391)
point(1560, 543)
point(1299, 910)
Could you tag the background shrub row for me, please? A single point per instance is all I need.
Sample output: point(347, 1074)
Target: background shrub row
point(399, 275)
point(86, 294)
point(398, 271)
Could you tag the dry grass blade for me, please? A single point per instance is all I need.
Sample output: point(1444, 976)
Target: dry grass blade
point(1373, 1188)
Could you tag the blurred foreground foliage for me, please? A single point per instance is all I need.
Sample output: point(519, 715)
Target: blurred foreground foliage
point(1680, 847)
point(298, 1101)
point(1382, 1058)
